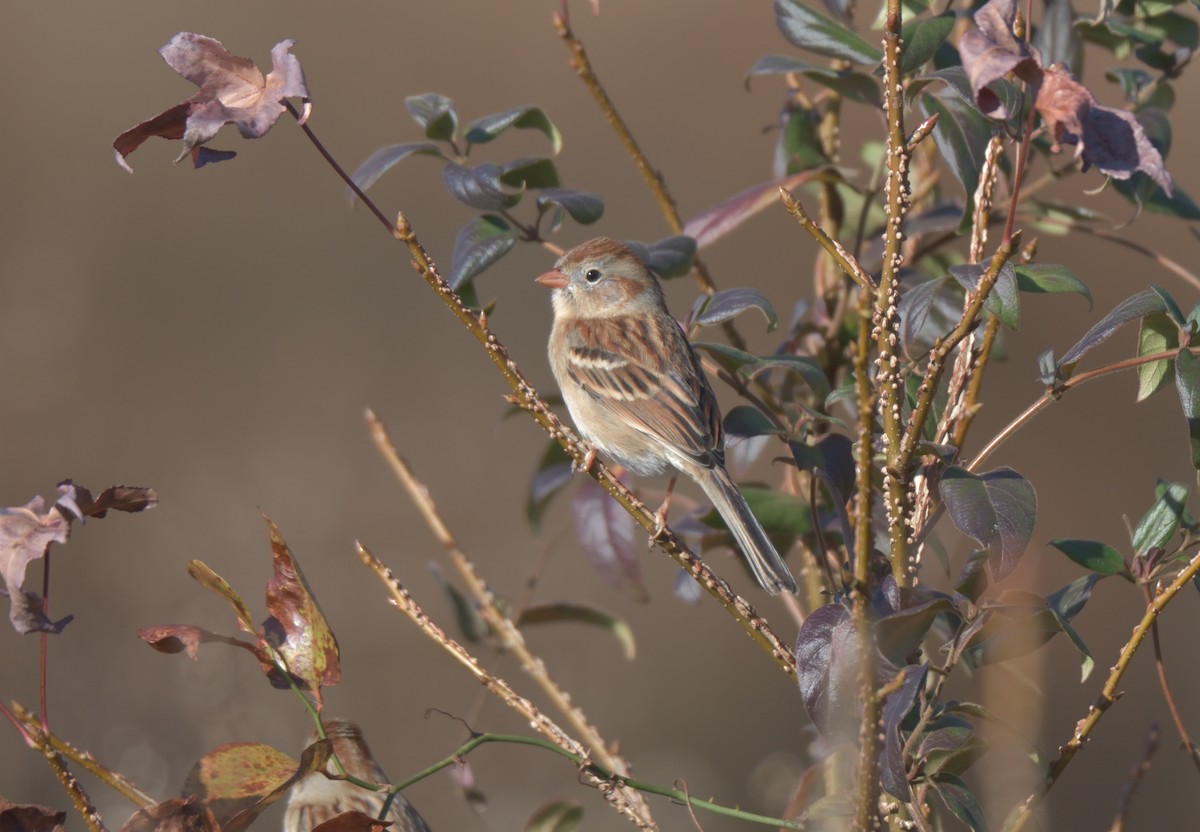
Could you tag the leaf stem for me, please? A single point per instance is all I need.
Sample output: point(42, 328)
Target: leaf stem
point(1161, 667)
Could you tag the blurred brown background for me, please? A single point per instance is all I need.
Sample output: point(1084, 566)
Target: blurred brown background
point(217, 335)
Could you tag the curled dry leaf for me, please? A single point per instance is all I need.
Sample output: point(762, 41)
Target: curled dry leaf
point(1111, 140)
point(26, 533)
point(179, 814)
point(232, 91)
point(30, 817)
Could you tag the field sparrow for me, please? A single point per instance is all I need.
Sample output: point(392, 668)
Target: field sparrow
point(316, 798)
point(636, 390)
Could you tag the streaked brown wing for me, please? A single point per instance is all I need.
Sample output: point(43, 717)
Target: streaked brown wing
point(665, 397)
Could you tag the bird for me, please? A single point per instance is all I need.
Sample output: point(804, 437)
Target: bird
point(636, 391)
point(316, 798)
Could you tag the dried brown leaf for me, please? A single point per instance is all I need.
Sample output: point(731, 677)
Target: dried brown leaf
point(232, 91)
point(236, 778)
point(353, 821)
point(179, 814)
point(296, 627)
point(30, 817)
point(179, 638)
point(1111, 140)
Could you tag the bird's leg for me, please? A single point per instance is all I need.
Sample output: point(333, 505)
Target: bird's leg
point(586, 463)
point(660, 516)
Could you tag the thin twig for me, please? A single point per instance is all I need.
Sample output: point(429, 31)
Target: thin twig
point(1135, 777)
point(403, 601)
point(840, 256)
point(509, 635)
point(1107, 697)
point(1160, 666)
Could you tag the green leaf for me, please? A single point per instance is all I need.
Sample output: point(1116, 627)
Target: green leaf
point(1090, 554)
point(1133, 308)
point(1048, 279)
point(1158, 334)
point(998, 509)
point(480, 243)
point(728, 303)
point(736, 360)
point(1003, 301)
point(555, 816)
point(961, 801)
point(1187, 382)
point(1057, 38)
point(961, 134)
point(435, 113)
point(381, 161)
point(558, 611)
point(668, 257)
point(745, 421)
point(585, 208)
point(921, 37)
point(779, 514)
point(855, 86)
point(470, 623)
point(807, 29)
point(534, 172)
point(480, 187)
point(487, 128)
point(1160, 523)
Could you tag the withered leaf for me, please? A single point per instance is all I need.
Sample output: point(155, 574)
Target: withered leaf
point(232, 91)
point(239, 780)
point(296, 627)
point(30, 817)
point(180, 638)
point(353, 821)
point(179, 814)
point(26, 533)
point(1111, 140)
point(992, 51)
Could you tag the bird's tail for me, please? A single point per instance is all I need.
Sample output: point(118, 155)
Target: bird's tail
point(764, 561)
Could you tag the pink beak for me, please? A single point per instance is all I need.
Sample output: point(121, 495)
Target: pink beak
point(553, 279)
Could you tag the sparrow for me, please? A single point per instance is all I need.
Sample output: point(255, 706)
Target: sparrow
point(316, 798)
point(636, 391)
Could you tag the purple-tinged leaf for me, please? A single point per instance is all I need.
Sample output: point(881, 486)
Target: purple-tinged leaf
point(609, 538)
point(827, 670)
point(435, 114)
point(895, 708)
point(711, 225)
point(529, 118)
point(554, 612)
point(854, 86)
point(998, 509)
point(810, 30)
point(1091, 554)
point(585, 208)
point(668, 257)
point(1187, 382)
point(1003, 301)
point(958, 84)
point(553, 472)
point(729, 303)
point(898, 633)
point(480, 243)
point(1159, 524)
point(992, 51)
point(480, 187)
point(1132, 308)
point(922, 313)
point(961, 801)
point(381, 161)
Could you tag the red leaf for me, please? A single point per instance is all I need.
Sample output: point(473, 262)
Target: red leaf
point(29, 817)
point(179, 638)
point(232, 91)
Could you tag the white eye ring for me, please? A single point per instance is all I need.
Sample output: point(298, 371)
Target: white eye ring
point(592, 276)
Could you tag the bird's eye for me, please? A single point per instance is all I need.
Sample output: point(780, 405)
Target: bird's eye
point(592, 275)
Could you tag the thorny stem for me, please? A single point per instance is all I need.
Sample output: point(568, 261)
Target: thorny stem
point(1052, 395)
point(1161, 667)
point(1107, 696)
point(526, 397)
point(585, 764)
point(403, 601)
point(654, 179)
point(502, 626)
